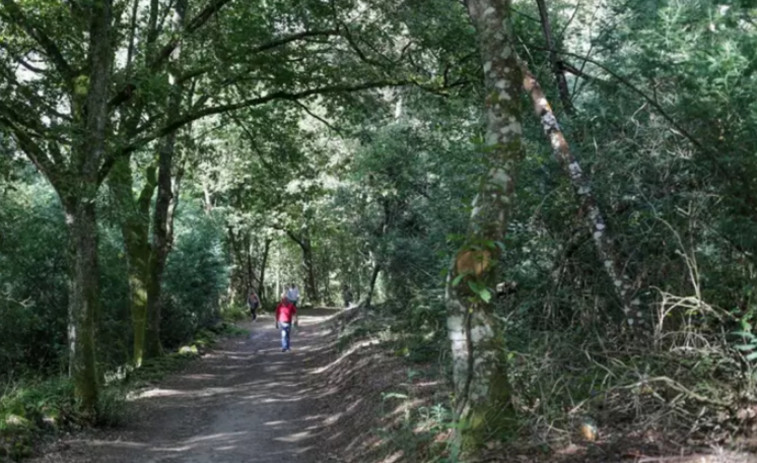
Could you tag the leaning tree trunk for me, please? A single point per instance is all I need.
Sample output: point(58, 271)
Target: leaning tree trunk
point(482, 391)
point(562, 82)
point(611, 260)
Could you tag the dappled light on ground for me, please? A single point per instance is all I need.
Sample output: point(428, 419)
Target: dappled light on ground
point(244, 401)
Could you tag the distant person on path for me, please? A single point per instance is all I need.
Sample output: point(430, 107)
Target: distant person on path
point(286, 315)
point(253, 302)
point(293, 294)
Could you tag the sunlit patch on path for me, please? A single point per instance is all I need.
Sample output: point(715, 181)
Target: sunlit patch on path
point(246, 401)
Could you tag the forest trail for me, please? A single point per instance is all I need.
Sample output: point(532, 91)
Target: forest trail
point(243, 401)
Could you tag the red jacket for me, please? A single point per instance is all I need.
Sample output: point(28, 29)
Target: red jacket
point(285, 311)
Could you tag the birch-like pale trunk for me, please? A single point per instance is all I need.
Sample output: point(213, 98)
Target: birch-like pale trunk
point(595, 222)
point(482, 391)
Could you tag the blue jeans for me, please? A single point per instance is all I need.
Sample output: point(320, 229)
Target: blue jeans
point(285, 329)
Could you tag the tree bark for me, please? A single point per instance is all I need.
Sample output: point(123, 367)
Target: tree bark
point(562, 83)
point(237, 289)
point(165, 202)
point(78, 198)
point(483, 397)
point(309, 263)
point(372, 284)
point(135, 230)
point(595, 222)
point(249, 272)
point(262, 293)
point(83, 300)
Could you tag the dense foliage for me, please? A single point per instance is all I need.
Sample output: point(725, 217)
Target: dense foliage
point(340, 145)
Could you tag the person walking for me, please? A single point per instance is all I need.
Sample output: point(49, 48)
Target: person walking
point(253, 302)
point(293, 294)
point(286, 316)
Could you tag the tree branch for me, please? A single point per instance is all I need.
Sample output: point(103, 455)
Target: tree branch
point(652, 102)
point(319, 118)
point(32, 150)
point(197, 22)
point(41, 38)
point(278, 42)
point(279, 95)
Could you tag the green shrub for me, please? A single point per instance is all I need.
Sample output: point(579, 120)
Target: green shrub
point(26, 409)
point(194, 279)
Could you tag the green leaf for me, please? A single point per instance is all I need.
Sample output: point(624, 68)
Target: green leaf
point(744, 347)
point(486, 295)
point(751, 356)
point(458, 279)
point(744, 334)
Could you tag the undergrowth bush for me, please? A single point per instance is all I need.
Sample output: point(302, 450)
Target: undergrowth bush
point(416, 423)
point(32, 408)
point(195, 276)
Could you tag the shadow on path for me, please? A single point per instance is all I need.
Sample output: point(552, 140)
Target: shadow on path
point(245, 401)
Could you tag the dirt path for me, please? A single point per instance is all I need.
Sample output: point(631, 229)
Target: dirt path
point(246, 401)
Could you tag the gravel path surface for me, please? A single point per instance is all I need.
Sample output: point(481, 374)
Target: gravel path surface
point(245, 401)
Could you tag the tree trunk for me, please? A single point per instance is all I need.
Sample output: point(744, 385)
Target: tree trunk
point(78, 198)
point(162, 235)
point(372, 284)
point(262, 293)
point(83, 299)
point(482, 390)
point(309, 263)
point(238, 283)
point(250, 272)
point(610, 258)
point(562, 83)
point(135, 230)
point(160, 246)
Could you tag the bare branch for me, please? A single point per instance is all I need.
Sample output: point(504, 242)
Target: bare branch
point(319, 118)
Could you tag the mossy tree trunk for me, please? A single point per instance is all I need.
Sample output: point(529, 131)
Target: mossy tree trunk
point(83, 297)
point(78, 195)
point(167, 196)
point(75, 168)
point(135, 228)
point(482, 391)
